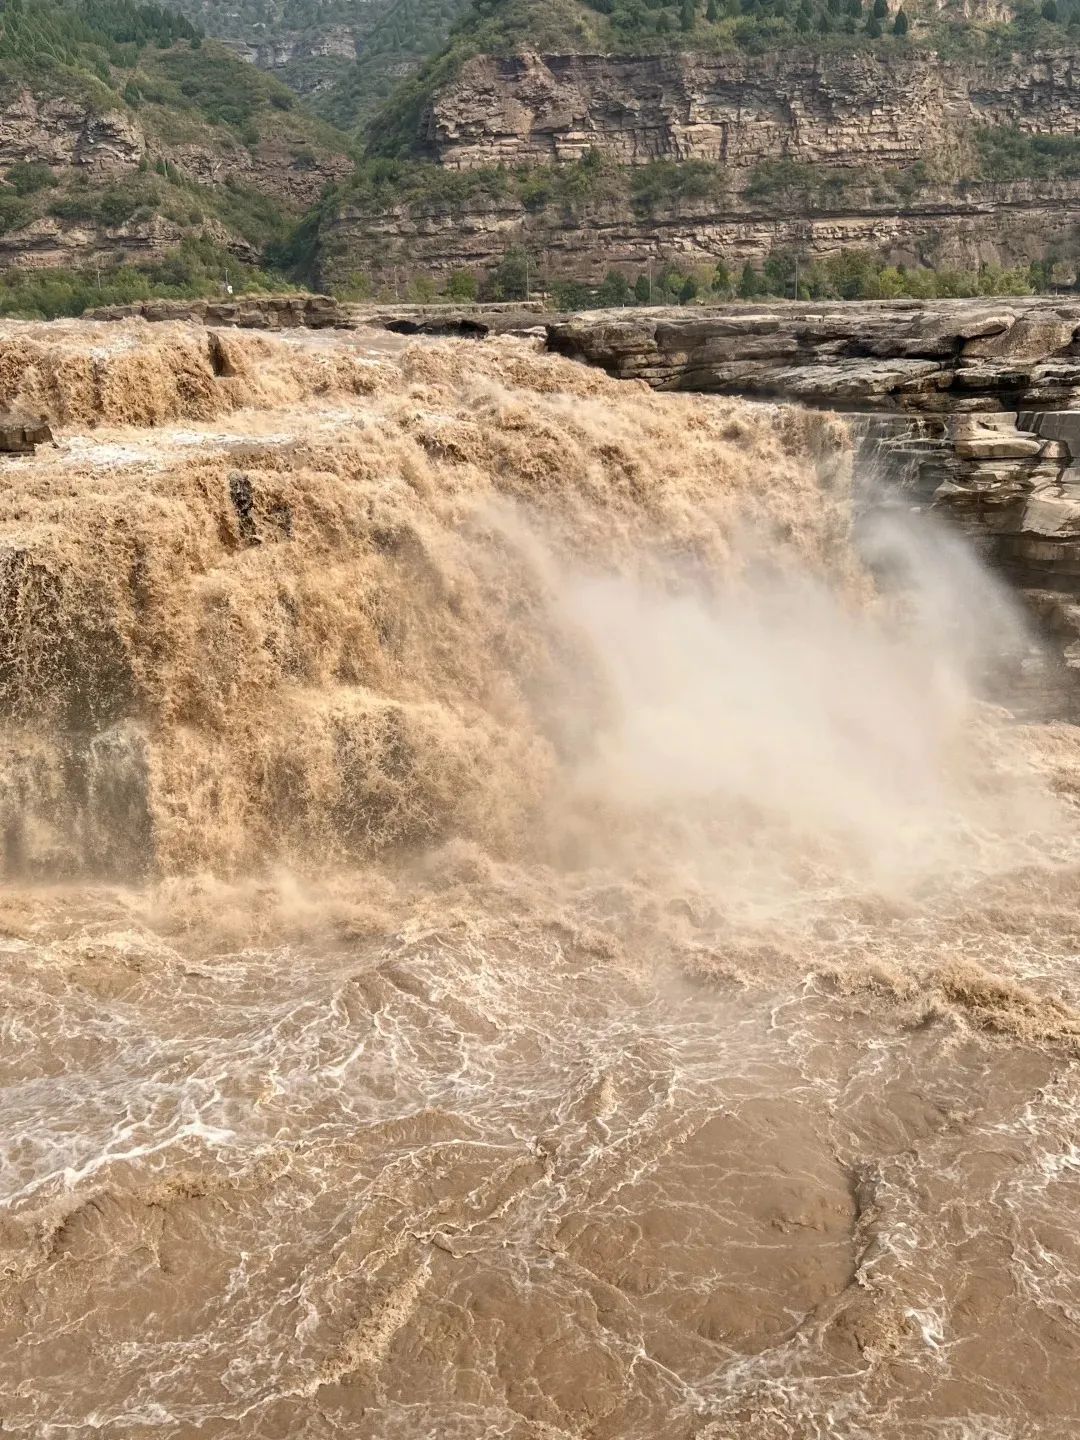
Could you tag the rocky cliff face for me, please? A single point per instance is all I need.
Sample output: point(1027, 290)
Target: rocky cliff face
point(281, 54)
point(964, 225)
point(59, 131)
point(835, 109)
point(85, 147)
point(859, 122)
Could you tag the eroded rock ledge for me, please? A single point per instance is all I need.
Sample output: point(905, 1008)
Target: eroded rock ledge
point(251, 312)
point(909, 355)
point(973, 406)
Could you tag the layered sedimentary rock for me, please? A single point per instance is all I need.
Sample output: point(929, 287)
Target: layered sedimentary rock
point(978, 222)
point(57, 130)
point(67, 133)
point(882, 151)
point(834, 109)
point(249, 312)
point(974, 406)
point(88, 149)
point(1003, 352)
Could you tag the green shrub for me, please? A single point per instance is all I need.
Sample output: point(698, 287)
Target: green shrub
point(861, 275)
point(664, 181)
point(510, 278)
point(26, 177)
point(14, 213)
point(462, 285)
point(1007, 154)
point(615, 289)
point(571, 295)
point(193, 269)
point(781, 178)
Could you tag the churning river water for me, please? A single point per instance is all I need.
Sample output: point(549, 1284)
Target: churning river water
point(507, 933)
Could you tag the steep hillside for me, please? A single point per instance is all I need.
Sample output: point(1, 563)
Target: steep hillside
point(709, 135)
point(702, 28)
point(343, 56)
point(124, 136)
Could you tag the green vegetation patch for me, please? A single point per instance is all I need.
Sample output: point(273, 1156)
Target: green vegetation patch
point(193, 270)
point(1006, 154)
point(575, 188)
point(75, 48)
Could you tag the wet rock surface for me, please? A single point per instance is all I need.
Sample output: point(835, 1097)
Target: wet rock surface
point(22, 434)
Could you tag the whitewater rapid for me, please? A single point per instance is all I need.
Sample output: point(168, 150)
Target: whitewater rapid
point(508, 931)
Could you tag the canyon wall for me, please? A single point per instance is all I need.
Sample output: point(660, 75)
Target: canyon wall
point(869, 152)
point(834, 109)
point(966, 225)
point(88, 149)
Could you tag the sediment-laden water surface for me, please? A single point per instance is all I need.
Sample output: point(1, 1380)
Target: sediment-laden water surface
point(506, 931)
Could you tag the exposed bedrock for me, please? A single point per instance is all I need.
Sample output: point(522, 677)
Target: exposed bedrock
point(85, 147)
point(972, 407)
point(837, 109)
point(963, 224)
point(927, 356)
point(249, 312)
point(811, 152)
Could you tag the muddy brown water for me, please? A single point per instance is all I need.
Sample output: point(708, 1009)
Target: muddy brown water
point(505, 933)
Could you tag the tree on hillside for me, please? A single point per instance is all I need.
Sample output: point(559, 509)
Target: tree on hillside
point(900, 24)
point(749, 283)
point(1050, 10)
point(509, 279)
point(881, 8)
point(686, 15)
point(712, 12)
point(615, 289)
point(873, 27)
point(643, 289)
point(461, 285)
